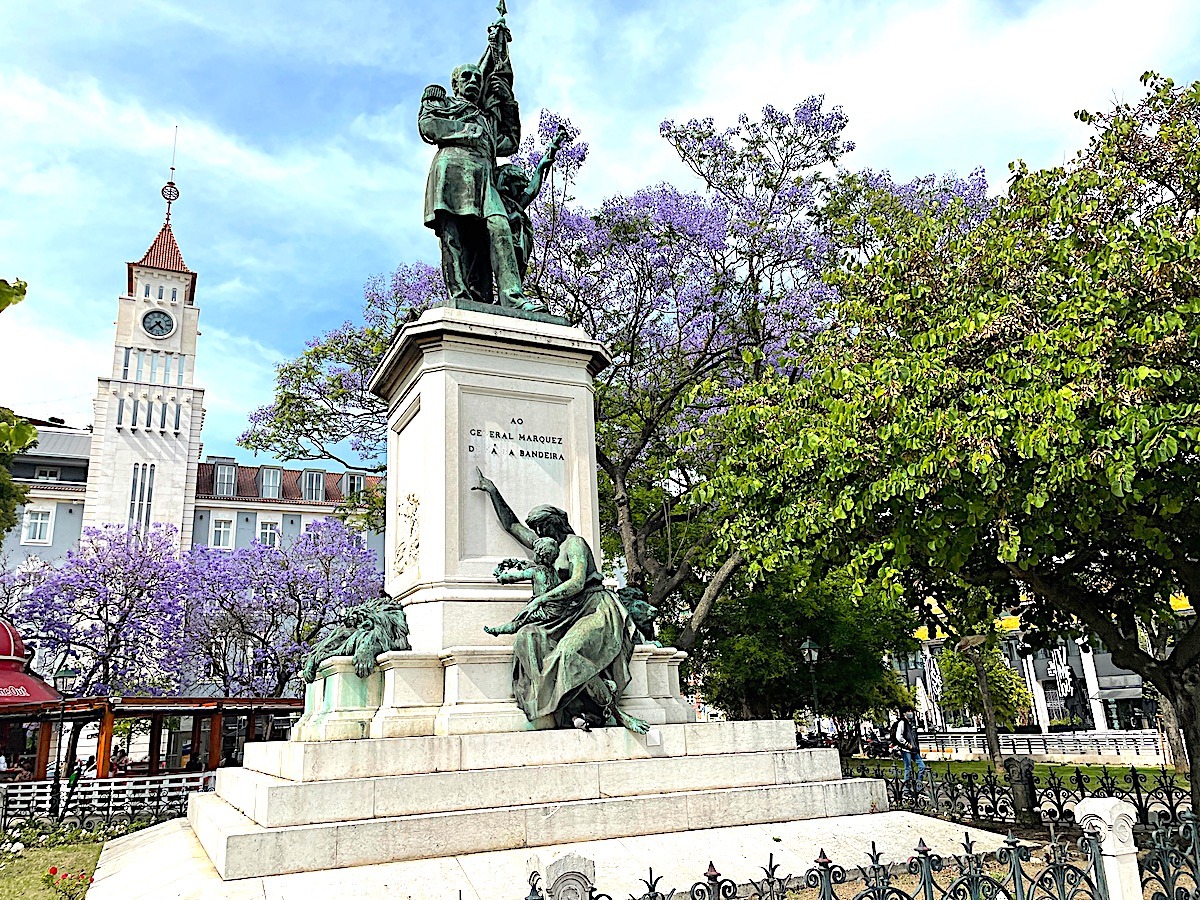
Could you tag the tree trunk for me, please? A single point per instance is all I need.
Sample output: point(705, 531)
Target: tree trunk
point(1157, 641)
point(1185, 696)
point(1170, 723)
point(989, 711)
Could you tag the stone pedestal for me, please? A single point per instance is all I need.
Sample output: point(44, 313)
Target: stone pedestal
point(479, 693)
point(637, 700)
point(339, 705)
point(413, 688)
point(511, 396)
point(461, 690)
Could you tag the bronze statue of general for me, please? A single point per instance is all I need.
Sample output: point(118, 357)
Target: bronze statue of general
point(462, 205)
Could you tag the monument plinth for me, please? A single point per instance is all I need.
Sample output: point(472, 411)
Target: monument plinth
point(512, 397)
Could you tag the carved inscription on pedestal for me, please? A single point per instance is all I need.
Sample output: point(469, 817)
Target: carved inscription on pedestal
point(522, 441)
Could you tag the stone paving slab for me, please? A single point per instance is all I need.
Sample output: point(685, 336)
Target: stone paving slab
point(167, 863)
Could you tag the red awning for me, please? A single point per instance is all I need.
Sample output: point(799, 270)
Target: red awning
point(17, 687)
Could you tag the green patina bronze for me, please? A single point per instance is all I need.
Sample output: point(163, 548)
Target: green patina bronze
point(574, 639)
point(364, 632)
point(483, 232)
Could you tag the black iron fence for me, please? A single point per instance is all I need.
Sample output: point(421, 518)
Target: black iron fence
point(1102, 864)
point(92, 804)
point(1159, 798)
point(1014, 872)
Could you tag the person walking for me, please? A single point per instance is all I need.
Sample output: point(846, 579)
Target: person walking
point(906, 736)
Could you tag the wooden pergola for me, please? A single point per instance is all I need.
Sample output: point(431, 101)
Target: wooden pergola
point(108, 710)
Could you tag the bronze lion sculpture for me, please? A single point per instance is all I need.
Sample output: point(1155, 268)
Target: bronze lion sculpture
point(364, 632)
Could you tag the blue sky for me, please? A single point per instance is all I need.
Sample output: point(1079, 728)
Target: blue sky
point(302, 175)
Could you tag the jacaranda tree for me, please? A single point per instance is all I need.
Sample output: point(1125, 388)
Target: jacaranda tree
point(112, 610)
point(255, 612)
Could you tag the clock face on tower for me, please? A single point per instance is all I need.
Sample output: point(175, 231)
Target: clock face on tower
point(158, 324)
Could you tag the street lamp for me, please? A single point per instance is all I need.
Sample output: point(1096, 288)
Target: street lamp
point(809, 651)
point(64, 683)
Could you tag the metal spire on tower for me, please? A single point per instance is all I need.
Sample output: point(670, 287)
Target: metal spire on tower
point(170, 192)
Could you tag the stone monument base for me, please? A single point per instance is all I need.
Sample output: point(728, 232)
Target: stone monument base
point(308, 806)
point(462, 690)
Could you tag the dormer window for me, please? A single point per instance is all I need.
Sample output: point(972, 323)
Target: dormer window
point(354, 484)
point(314, 487)
point(270, 482)
point(46, 473)
point(225, 483)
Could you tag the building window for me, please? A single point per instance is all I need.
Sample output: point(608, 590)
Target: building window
point(177, 412)
point(179, 375)
point(153, 367)
point(120, 410)
point(268, 534)
point(147, 293)
point(314, 487)
point(271, 479)
point(160, 292)
point(355, 484)
point(141, 360)
point(125, 368)
point(226, 482)
point(167, 368)
point(45, 473)
point(135, 413)
point(162, 420)
point(149, 414)
point(174, 294)
point(37, 526)
point(141, 495)
point(222, 534)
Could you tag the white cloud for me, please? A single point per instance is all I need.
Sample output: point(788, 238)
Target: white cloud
point(929, 86)
point(47, 370)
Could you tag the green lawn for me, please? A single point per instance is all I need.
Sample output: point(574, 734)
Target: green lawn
point(1041, 770)
point(21, 879)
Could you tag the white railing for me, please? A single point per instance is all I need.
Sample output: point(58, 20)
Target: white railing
point(1073, 743)
point(93, 801)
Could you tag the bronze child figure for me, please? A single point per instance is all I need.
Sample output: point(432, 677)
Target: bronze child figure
point(543, 577)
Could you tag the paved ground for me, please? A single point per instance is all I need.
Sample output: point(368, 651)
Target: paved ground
point(167, 862)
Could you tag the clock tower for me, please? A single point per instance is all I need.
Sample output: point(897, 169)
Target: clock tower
point(148, 412)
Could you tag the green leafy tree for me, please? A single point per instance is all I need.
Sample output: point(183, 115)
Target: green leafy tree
point(11, 293)
point(15, 435)
point(750, 665)
point(960, 683)
point(1015, 402)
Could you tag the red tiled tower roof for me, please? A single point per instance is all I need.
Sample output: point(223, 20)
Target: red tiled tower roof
point(164, 252)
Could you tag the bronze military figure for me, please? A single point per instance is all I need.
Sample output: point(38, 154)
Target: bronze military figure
point(462, 205)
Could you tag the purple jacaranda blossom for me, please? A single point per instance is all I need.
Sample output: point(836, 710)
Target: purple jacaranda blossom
point(112, 610)
point(255, 612)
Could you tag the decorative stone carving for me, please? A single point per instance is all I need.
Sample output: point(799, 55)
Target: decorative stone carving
point(1114, 820)
point(408, 534)
point(570, 878)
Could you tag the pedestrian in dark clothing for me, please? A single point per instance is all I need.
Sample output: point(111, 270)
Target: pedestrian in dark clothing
point(908, 739)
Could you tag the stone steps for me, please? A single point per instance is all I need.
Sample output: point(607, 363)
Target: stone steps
point(275, 802)
point(339, 760)
point(242, 848)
